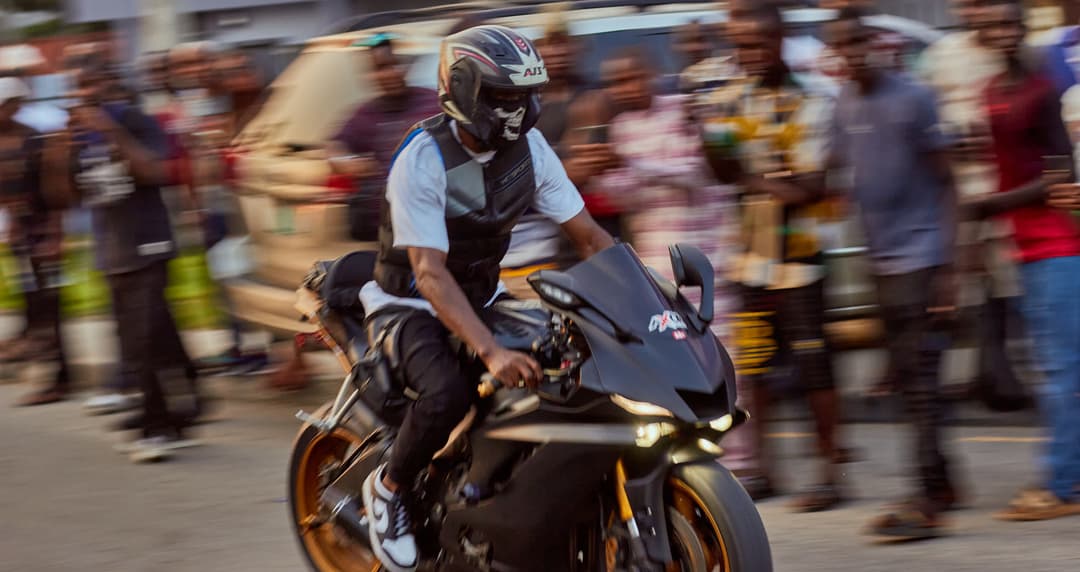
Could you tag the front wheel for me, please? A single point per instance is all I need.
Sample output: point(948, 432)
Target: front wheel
point(713, 523)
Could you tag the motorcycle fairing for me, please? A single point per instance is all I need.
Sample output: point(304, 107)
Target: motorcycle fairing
point(667, 364)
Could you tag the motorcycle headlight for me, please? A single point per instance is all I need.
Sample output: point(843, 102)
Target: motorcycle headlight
point(556, 295)
point(641, 408)
point(649, 433)
point(722, 424)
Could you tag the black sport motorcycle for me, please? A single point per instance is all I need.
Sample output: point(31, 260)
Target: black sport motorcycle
point(610, 465)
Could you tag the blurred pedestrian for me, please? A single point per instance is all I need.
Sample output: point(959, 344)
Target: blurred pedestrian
point(1033, 151)
point(363, 147)
point(771, 140)
point(537, 243)
point(886, 133)
point(120, 393)
point(653, 167)
point(36, 235)
point(959, 66)
point(198, 120)
point(241, 81)
point(118, 154)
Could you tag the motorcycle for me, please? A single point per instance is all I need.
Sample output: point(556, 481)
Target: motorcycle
point(609, 465)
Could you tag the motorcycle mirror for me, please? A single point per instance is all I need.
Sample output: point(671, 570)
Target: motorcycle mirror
point(691, 268)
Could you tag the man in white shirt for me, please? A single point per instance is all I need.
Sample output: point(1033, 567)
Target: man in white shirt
point(458, 183)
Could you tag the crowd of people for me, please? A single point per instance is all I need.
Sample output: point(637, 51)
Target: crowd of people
point(111, 151)
point(960, 167)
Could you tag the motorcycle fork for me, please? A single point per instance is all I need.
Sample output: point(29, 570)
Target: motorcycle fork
point(639, 554)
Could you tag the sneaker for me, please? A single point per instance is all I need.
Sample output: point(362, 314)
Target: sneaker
point(391, 531)
point(150, 450)
point(166, 443)
point(109, 403)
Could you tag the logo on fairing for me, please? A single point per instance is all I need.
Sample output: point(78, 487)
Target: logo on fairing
point(667, 321)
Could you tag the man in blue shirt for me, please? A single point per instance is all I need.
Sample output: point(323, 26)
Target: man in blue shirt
point(886, 131)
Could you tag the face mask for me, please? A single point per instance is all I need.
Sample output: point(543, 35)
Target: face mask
point(509, 127)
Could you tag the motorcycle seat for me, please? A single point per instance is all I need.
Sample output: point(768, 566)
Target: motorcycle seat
point(340, 289)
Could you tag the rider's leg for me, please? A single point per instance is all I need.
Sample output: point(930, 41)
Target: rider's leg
point(432, 368)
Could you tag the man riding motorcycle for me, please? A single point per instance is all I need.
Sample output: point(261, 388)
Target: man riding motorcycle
point(458, 183)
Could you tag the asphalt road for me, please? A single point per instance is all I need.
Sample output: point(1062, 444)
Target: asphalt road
point(69, 503)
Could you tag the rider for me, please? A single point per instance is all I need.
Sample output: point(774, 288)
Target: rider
point(458, 183)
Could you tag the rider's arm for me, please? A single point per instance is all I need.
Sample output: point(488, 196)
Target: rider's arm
point(586, 235)
point(417, 197)
point(438, 286)
point(558, 199)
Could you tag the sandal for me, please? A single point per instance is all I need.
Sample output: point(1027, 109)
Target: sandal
point(908, 522)
point(818, 499)
point(1030, 505)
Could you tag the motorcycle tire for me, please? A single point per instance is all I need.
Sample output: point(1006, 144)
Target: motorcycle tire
point(326, 547)
point(714, 524)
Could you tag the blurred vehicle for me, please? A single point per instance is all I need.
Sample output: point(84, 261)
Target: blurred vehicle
point(294, 206)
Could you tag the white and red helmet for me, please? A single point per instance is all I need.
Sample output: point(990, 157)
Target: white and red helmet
point(485, 59)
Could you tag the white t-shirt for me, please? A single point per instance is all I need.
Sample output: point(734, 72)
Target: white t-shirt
point(416, 191)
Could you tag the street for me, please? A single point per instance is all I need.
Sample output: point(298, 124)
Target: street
point(70, 503)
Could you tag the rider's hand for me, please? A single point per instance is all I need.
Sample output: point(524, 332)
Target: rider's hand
point(511, 368)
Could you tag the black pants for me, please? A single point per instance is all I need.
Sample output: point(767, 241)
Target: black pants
point(434, 370)
point(802, 331)
point(43, 312)
point(915, 348)
point(151, 351)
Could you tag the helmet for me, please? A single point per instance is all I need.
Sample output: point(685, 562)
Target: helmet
point(489, 79)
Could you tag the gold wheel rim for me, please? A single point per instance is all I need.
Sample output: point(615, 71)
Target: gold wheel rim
point(687, 503)
point(329, 548)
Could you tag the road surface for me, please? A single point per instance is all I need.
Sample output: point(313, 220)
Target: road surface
point(69, 503)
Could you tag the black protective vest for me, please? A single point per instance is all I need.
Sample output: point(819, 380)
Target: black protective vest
point(483, 203)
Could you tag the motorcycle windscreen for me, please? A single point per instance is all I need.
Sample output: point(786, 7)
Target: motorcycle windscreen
point(670, 363)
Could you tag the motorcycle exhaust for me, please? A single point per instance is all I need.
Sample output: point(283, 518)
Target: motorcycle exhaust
point(346, 512)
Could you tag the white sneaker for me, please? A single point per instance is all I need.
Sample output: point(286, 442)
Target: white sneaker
point(162, 442)
point(109, 403)
point(391, 532)
point(150, 450)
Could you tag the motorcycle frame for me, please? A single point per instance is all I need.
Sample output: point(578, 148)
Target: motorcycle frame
point(311, 308)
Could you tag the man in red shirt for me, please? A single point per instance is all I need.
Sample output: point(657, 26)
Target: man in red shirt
point(1033, 152)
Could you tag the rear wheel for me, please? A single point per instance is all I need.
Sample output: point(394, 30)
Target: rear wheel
point(315, 459)
point(713, 524)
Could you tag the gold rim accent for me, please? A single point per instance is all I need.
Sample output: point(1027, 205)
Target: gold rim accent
point(687, 502)
point(330, 550)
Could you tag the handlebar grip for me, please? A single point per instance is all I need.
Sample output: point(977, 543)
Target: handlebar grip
point(488, 385)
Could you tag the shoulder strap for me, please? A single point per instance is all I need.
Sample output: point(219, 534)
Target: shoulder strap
point(453, 154)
